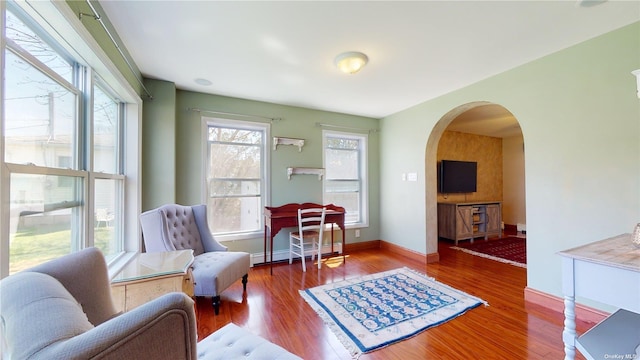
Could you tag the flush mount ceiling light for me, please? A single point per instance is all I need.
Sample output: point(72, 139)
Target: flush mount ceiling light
point(351, 62)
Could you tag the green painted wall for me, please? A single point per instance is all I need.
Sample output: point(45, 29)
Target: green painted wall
point(297, 123)
point(580, 118)
point(159, 145)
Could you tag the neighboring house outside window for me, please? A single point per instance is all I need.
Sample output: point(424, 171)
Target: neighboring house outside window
point(62, 131)
point(236, 180)
point(345, 184)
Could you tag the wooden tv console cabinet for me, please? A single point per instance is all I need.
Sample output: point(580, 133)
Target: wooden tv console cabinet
point(469, 220)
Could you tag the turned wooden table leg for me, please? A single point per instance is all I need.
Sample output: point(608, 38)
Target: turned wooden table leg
point(569, 332)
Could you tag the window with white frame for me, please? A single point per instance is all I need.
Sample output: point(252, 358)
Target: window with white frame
point(236, 178)
point(62, 131)
point(345, 163)
point(107, 176)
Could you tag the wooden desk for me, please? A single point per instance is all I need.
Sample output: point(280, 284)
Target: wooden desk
point(278, 217)
point(607, 271)
point(150, 275)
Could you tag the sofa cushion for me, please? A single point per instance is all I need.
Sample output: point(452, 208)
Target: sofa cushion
point(26, 300)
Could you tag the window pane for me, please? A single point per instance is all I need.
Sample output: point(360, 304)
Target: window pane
point(40, 116)
point(234, 178)
point(44, 123)
point(342, 186)
point(341, 164)
point(34, 45)
point(106, 117)
point(234, 161)
point(107, 193)
point(345, 166)
point(220, 188)
point(241, 136)
point(44, 218)
point(342, 143)
point(349, 201)
point(239, 214)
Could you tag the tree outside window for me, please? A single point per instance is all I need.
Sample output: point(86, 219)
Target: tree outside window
point(235, 180)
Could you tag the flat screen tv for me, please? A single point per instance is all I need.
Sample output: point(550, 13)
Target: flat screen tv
point(457, 176)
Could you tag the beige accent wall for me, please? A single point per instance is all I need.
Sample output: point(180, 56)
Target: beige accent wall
point(486, 151)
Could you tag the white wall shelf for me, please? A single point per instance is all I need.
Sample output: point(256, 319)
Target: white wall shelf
point(287, 141)
point(305, 171)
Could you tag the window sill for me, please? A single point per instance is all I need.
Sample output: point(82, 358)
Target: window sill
point(355, 226)
point(241, 236)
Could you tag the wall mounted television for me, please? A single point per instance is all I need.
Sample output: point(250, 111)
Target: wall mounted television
point(457, 176)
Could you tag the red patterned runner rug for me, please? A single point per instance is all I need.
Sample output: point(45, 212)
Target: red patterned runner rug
point(510, 250)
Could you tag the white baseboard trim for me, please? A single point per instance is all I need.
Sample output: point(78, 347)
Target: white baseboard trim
point(279, 255)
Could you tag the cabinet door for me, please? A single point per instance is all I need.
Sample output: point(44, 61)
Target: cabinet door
point(494, 218)
point(447, 221)
point(464, 222)
point(145, 291)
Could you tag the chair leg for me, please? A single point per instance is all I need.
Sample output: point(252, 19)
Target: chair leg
point(313, 250)
point(319, 253)
point(290, 250)
point(244, 282)
point(216, 304)
point(304, 266)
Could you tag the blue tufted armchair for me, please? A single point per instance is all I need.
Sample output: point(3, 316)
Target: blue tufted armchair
point(177, 227)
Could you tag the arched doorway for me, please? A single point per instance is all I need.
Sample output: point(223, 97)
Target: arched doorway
point(485, 119)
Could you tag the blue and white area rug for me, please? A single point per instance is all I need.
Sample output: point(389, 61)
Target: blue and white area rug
point(373, 311)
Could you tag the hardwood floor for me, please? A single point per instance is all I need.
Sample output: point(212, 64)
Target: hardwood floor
point(506, 329)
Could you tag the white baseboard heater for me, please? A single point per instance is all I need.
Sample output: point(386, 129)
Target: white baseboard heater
point(521, 227)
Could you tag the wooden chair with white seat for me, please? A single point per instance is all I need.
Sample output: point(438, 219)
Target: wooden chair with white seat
point(309, 234)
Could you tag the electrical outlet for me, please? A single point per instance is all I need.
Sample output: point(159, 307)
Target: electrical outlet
point(357, 233)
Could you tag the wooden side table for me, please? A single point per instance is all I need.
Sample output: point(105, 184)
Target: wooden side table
point(151, 275)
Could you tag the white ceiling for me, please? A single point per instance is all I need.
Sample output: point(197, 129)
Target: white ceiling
point(283, 51)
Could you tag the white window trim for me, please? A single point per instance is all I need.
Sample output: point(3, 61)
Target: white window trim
point(266, 172)
point(364, 151)
point(57, 19)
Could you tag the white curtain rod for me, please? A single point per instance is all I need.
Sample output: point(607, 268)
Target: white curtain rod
point(234, 114)
point(346, 128)
point(97, 17)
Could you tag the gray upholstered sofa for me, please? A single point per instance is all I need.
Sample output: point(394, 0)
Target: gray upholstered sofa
point(173, 227)
point(63, 310)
